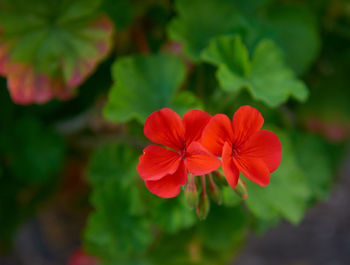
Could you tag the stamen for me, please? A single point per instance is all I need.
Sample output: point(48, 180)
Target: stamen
point(235, 152)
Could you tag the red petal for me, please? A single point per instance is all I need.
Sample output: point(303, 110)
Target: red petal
point(156, 162)
point(230, 169)
point(195, 121)
point(165, 127)
point(266, 146)
point(254, 169)
point(199, 161)
point(168, 186)
point(246, 121)
point(216, 133)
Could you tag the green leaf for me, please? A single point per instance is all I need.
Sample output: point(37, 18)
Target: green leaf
point(261, 226)
point(112, 162)
point(120, 11)
point(117, 231)
point(252, 6)
point(265, 76)
point(229, 197)
point(315, 161)
point(173, 215)
point(295, 29)
point(144, 84)
point(112, 231)
point(184, 101)
point(199, 21)
point(214, 241)
point(224, 228)
point(288, 192)
point(36, 152)
point(50, 47)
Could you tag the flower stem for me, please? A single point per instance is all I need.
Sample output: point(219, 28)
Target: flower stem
point(204, 191)
point(214, 191)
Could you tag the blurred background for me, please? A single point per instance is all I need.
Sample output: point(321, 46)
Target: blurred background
point(78, 78)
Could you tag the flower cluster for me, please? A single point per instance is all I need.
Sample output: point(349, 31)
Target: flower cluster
point(165, 169)
point(195, 145)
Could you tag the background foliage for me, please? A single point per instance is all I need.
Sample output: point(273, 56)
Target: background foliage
point(117, 61)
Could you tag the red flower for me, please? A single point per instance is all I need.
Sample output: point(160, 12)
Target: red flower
point(165, 170)
point(243, 146)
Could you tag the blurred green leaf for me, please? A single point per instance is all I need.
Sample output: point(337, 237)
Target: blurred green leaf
point(261, 226)
point(295, 29)
point(315, 161)
point(37, 152)
point(266, 76)
point(288, 192)
point(120, 11)
point(112, 232)
point(50, 47)
point(144, 84)
point(229, 197)
point(174, 249)
point(198, 21)
point(48, 31)
point(184, 101)
point(328, 109)
point(173, 215)
point(116, 231)
point(252, 6)
point(214, 241)
point(224, 229)
point(112, 162)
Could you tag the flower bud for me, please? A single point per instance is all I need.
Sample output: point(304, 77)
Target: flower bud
point(214, 191)
point(191, 194)
point(241, 189)
point(203, 206)
point(219, 176)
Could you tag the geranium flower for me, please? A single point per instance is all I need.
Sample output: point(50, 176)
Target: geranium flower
point(165, 169)
point(243, 146)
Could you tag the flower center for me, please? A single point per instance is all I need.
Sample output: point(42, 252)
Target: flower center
point(235, 152)
point(183, 153)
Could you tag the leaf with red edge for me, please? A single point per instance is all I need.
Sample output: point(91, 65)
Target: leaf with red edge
point(48, 49)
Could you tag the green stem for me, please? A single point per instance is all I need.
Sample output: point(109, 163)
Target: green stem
point(204, 191)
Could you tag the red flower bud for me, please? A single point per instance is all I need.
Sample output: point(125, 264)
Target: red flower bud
point(241, 189)
point(214, 191)
point(191, 194)
point(203, 206)
point(219, 176)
